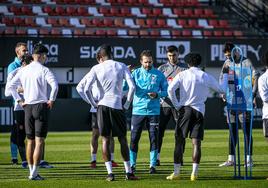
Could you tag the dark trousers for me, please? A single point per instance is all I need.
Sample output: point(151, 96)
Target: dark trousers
point(137, 122)
point(166, 114)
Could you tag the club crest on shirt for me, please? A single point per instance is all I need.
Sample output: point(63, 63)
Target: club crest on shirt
point(153, 79)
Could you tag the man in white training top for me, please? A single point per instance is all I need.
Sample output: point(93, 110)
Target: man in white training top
point(109, 75)
point(34, 80)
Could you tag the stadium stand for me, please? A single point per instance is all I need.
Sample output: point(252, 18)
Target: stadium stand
point(121, 18)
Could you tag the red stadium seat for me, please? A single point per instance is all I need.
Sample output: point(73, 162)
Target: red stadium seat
point(104, 10)
point(125, 11)
point(9, 31)
point(161, 23)
point(198, 12)
point(178, 11)
point(100, 32)
point(193, 23)
point(21, 31)
point(143, 33)
point(207, 33)
point(8, 21)
point(157, 12)
point(188, 13)
point(140, 22)
point(147, 11)
point(55, 32)
point(132, 2)
point(64, 22)
point(176, 33)
point(217, 33)
point(53, 21)
point(44, 31)
point(71, 11)
point(238, 34)
point(15, 9)
point(18, 21)
point(166, 2)
point(85, 2)
point(155, 33)
point(227, 33)
point(86, 22)
point(119, 22)
point(108, 22)
point(98, 22)
point(114, 11)
point(111, 32)
point(89, 32)
point(150, 23)
point(78, 32)
point(30, 21)
point(213, 23)
point(186, 33)
point(26, 10)
point(209, 13)
point(133, 33)
point(49, 10)
point(60, 11)
point(82, 11)
point(183, 23)
point(143, 2)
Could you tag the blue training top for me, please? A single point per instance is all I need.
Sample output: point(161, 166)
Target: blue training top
point(148, 81)
point(14, 65)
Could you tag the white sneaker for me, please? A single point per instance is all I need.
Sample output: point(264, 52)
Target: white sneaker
point(227, 163)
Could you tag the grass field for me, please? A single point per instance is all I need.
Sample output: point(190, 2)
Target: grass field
point(69, 153)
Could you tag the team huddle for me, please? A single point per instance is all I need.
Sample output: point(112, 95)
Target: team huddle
point(176, 90)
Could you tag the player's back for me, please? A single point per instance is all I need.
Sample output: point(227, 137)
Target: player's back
point(110, 75)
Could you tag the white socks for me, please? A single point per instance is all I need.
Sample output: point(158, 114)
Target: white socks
point(177, 168)
point(112, 156)
point(33, 170)
point(93, 157)
point(249, 159)
point(127, 167)
point(30, 168)
point(108, 165)
point(231, 158)
point(195, 169)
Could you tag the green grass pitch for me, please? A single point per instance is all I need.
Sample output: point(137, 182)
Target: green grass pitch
point(69, 153)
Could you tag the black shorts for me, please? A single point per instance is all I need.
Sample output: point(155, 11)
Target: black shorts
point(111, 122)
point(94, 122)
point(265, 127)
point(36, 120)
point(190, 121)
point(166, 113)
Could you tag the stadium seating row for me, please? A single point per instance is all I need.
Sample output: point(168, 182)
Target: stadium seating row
point(113, 22)
point(107, 11)
point(121, 32)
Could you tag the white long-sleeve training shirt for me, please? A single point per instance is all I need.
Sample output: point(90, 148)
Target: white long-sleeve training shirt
point(109, 75)
point(95, 90)
point(34, 79)
point(263, 91)
point(10, 76)
point(194, 85)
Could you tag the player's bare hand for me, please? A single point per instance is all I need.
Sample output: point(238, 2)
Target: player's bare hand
point(152, 95)
point(21, 103)
point(20, 90)
point(50, 104)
